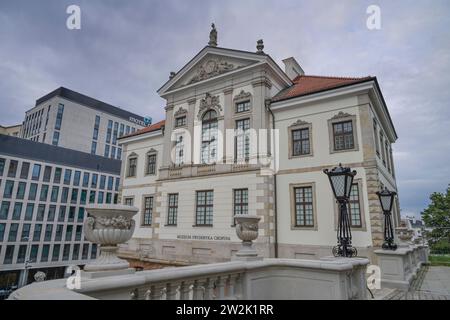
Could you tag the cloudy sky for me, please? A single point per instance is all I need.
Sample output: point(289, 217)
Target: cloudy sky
point(126, 49)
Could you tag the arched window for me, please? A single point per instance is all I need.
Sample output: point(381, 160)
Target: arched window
point(209, 137)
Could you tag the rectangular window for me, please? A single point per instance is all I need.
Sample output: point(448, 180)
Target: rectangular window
point(148, 211)
point(64, 194)
point(108, 197)
point(242, 140)
point(67, 176)
point(83, 196)
point(57, 177)
point(78, 233)
point(2, 231)
point(34, 252)
point(76, 251)
point(121, 130)
point(40, 212)
point(240, 201)
point(21, 254)
point(56, 250)
point(62, 213)
point(76, 178)
point(29, 212)
point(74, 197)
point(151, 163)
point(127, 130)
point(80, 214)
point(110, 182)
point(21, 190)
point(102, 182)
point(9, 186)
point(48, 232)
point(45, 252)
point(4, 210)
point(94, 180)
point(71, 217)
point(128, 201)
point(109, 131)
point(116, 127)
point(24, 170)
point(51, 213)
point(94, 251)
point(36, 172)
point(300, 142)
point(116, 187)
point(59, 231)
point(132, 164)
point(100, 197)
point(173, 209)
point(354, 206)
point(92, 196)
point(2, 166)
point(12, 170)
point(304, 215)
point(93, 147)
point(55, 193)
point(180, 121)
point(85, 179)
point(9, 254)
point(96, 127)
point(12, 236)
point(243, 106)
point(47, 173)
point(119, 154)
point(204, 210)
point(33, 191)
point(85, 252)
point(375, 135)
point(55, 138)
point(37, 232)
point(59, 116)
point(25, 232)
point(113, 152)
point(17, 211)
point(343, 135)
point(44, 193)
point(69, 230)
point(179, 150)
point(106, 154)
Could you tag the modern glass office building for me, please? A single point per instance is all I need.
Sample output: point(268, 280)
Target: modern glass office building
point(43, 193)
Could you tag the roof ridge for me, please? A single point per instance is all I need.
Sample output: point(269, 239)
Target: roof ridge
point(332, 77)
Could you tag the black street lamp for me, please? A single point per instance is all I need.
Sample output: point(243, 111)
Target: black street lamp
point(387, 201)
point(341, 180)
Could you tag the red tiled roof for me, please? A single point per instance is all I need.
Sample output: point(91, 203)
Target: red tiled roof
point(304, 85)
point(154, 127)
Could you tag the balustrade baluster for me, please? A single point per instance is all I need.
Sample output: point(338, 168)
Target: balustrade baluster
point(198, 290)
point(156, 292)
point(209, 289)
point(171, 291)
point(220, 283)
point(185, 290)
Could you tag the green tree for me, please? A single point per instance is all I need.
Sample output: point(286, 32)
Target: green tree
point(437, 217)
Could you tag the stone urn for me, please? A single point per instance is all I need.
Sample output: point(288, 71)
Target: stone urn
point(404, 236)
point(247, 231)
point(109, 225)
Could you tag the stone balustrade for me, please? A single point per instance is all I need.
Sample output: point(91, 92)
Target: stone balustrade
point(332, 278)
point(399, 267)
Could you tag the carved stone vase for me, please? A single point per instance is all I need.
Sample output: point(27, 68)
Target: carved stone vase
point(247, 231)
point(109, 225)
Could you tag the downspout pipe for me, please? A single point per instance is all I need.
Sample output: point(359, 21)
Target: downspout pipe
point(274, 184)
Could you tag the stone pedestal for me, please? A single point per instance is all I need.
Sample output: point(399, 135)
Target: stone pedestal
point(247, 231)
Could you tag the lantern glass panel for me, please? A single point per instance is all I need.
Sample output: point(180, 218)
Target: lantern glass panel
point(338, 182)
point(348, 186)
point(386, 201)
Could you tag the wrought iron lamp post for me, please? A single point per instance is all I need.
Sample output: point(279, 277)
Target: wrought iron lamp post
point(387, 200)
point(341, 180)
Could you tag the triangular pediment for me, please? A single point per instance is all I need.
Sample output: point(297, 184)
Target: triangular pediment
point(210, 63)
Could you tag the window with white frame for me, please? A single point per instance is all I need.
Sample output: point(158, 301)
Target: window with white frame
point(242, 140)
point(209, 137)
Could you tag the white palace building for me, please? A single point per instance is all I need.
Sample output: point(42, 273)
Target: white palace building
point(243, 135)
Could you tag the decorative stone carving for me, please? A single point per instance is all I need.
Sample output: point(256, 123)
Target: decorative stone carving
point(39, 276)
point(259, 46)
point(211, 68)
point(404, 236)
point(298, 123)
point(108, 226)
point(242, 96)
point(209, 102)
point(341, 115)
point(247, 231)
point(213, 36)
point(181, 111)
point(172, 74)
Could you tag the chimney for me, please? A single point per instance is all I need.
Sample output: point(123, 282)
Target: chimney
point(292, 68)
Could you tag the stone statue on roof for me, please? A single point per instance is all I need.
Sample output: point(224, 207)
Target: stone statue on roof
point(213, 36)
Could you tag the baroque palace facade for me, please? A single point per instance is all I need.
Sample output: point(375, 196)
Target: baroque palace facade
point(244, 136)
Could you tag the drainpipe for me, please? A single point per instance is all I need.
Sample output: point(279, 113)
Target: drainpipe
point(274, 185)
